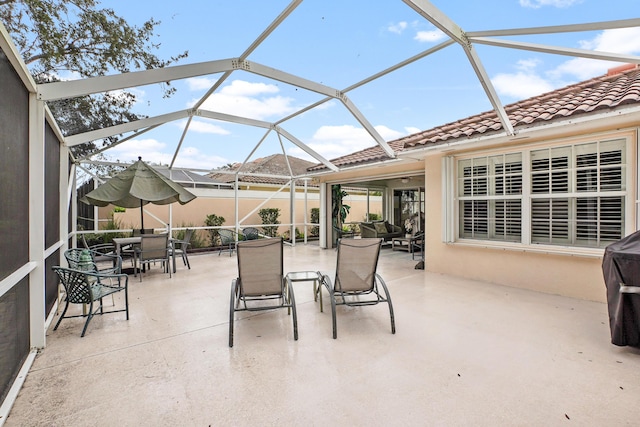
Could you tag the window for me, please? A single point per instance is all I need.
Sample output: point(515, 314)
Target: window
point(575, 195)
point(490, 197)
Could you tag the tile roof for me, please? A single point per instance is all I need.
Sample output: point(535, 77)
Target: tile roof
point(274, 164)
point(619, 87)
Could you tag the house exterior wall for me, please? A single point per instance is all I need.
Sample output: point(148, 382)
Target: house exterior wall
point(573, 276)
point(563, 270)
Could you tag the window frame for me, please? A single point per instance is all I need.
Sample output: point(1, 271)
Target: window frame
point(451, 207)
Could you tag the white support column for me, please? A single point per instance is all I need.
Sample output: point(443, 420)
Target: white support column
point(36, 222)
point(235, 204)
point(306, 211)
point(292, 209)
point(64, 199)
point(324, 226)
point(73, 199)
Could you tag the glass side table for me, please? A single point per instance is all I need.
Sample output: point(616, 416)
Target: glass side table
point(307, 276)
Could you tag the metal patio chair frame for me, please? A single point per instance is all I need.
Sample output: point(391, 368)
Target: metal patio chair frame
point(356, 277)
point(88, 287)
point(261, 283)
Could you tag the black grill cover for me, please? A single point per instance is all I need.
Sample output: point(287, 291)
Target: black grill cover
point(621, 266)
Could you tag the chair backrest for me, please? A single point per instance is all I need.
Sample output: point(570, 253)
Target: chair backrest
point(226, 236)
point(139, 232)
point(250, 233)
point(76, 285)
point(184, 242)
point(187, 235)
point(357, 264)
point(153, 246)
point(74, 257)
point(260, 267)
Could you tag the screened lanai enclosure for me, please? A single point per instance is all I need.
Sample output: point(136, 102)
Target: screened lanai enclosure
point(44, 166)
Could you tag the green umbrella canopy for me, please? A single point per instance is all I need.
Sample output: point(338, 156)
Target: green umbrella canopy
point(136, 186)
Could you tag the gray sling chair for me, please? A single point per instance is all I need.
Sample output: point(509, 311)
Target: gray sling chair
point(87, 287)
point(356, 278)
point(153, 247)
point(261, 284)
point(179, 247)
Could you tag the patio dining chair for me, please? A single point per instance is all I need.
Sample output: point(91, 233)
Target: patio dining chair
point(89, 287)
point(356, 281)
point(179, 247)
point(261, 284)
point(153, 248)
point(227, 240)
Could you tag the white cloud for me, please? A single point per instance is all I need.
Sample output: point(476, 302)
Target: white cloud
point(411, 130)
point(155, 152)
point(528, 81)
point(203, 127)
point(336, 141)
point(431, 36)
point(524, 83)
point(623, 41)
point(151, 151)
point(536, 4)
point(191, 157)
point(200, 83)
point(397, 28)
point(253, 100)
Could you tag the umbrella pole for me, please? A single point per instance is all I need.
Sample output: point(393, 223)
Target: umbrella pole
point(141, 217)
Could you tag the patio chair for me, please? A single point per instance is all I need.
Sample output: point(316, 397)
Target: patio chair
point(153, 247)
point(179, 247)
point(87, 287)
point(250, 233)
point(261, 284)
point(99, 250)
point(100, 262)
point(356, 282)
point(227, 240)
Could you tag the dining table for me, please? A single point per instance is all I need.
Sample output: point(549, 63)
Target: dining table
point(121, 242)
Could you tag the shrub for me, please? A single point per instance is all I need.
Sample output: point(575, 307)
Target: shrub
point(374, 217)
point(214, 220)
point(315, 219)
point(270, 216)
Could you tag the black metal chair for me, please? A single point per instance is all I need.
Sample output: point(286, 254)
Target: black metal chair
point(356, 282)
point(260, 281)
point(88, 287)
point(250, 233)
point(101, 262)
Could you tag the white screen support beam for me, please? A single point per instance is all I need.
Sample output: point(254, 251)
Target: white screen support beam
point(81, 138)
point(428, 11)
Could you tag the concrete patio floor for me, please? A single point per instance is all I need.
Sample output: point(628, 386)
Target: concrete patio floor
point(465, 353)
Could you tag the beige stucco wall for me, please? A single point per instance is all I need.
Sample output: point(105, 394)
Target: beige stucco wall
point(221, 203)
point(574, 276)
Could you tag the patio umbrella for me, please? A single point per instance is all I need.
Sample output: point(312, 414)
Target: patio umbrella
point(136, 186)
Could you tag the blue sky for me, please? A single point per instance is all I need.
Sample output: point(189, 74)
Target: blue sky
point(339, 43)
